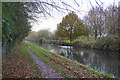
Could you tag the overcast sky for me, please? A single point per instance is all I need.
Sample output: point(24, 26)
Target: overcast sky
point(51, 22)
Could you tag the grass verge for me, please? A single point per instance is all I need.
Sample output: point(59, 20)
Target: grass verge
point(65, 66)
point(20, 64)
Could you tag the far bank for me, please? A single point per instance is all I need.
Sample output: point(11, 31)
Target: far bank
point(105, 43)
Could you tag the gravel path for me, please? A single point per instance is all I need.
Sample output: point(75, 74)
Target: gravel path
point(46, 70)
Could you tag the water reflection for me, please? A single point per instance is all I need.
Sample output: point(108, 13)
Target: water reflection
point(106, 61)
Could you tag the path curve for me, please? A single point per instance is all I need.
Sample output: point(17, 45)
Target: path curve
point(46, 70)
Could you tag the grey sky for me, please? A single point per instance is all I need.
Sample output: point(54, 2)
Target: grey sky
point(51, 22)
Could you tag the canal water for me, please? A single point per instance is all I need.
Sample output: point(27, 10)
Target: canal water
point(105, 61)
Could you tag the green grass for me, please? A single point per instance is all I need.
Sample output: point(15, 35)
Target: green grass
point(65, 66)
point(26, 53)
point(38, 50)
point(24, 49)
point(68, 41)
point(81, 38)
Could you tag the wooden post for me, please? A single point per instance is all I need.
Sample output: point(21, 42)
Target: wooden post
point(119, 18)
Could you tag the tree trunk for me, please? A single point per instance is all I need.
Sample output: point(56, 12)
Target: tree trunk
point(100, 33)
point(95, 32)
point(88, 37)
point(70, 37)
point(71, 34)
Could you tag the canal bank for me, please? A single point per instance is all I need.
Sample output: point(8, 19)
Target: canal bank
point(103, 43)
point(104, 60)
point(56, 59)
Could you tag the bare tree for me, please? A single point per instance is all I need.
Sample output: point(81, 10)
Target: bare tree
point(111, 22)
point(93, 20)
point(46, 7)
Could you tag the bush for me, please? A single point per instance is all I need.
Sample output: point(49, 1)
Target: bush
point(109, 42)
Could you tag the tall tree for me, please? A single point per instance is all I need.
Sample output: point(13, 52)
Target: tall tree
point(87, 26)
point(43, 35)
point(15, 25)
point(100, 20)
point(93, 20)
point(71, 27)
point(111, 20)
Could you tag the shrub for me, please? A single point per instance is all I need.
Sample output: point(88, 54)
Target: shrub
point(109, 42)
